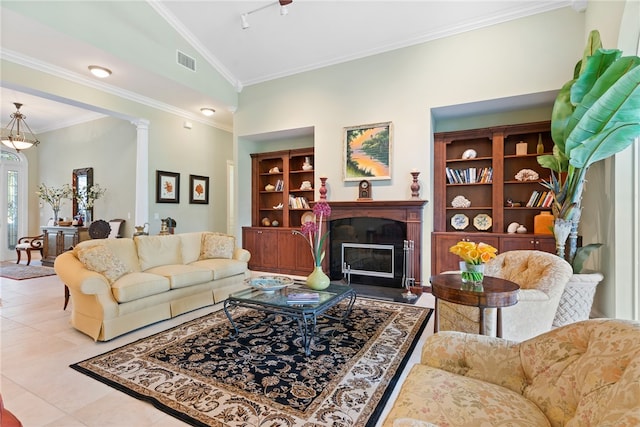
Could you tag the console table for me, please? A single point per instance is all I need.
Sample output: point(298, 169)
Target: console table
point(496, 293)
point(59, 239)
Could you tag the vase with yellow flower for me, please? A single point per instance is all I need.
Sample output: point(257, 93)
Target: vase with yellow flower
point(474, 256)
point(312, 232)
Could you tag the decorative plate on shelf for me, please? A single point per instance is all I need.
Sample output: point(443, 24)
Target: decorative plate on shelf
point(307, 217)
point(269, 283)
point(469, 154)
point(482, 222)
point(459, 221)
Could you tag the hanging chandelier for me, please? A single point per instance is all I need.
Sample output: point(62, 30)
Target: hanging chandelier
point(17, 134)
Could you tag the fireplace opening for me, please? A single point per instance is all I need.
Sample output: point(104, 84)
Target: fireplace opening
point(369, 249)
point(366, 259)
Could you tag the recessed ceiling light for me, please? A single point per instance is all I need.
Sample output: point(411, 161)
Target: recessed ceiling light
point(98, 71)
point(208, 111)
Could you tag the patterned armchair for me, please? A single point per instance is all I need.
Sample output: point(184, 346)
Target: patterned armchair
point(582, 374)
point(542, 278)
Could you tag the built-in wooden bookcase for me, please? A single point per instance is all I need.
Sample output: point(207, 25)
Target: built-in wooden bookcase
point(487, 178)
point(279, 196)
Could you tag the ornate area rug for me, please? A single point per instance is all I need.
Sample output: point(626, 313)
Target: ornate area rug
point(14, 271)
point(198, 372)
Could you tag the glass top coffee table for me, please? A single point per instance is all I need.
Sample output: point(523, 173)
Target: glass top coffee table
point(282, 302)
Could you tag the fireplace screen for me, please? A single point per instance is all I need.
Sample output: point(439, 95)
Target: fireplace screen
point(368, 259)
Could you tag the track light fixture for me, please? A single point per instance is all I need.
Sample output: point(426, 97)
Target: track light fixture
point(245, 22)
point(284, 10)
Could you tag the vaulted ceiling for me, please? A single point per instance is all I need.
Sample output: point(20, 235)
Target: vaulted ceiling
point(139, 41)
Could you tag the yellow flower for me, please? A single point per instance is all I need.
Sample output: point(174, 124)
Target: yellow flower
point(474, 253)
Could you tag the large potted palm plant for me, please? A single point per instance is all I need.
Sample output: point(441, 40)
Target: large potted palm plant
point(595, 115)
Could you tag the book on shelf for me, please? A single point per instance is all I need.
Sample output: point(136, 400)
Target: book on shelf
point(532, 198)
point(298, 202)
point(541, 199)
point(469, 175)
point(548, 201)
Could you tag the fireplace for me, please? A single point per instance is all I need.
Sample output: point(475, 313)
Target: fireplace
point(369, 250)
point(368, 240)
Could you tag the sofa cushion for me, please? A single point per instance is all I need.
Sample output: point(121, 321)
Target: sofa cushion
point(158, 250)
point(124, 249)
point(217, 245)
point(102, 260)
point(458, 400)
point(222, 268)
point(134, 286)
point(191, 244)
point(181, 275)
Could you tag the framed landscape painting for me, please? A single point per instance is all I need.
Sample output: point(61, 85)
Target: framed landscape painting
point(367, 152)
point(167, 187)
point(199, 189)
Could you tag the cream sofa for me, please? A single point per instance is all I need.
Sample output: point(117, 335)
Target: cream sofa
point(582, 374)
point(118, 285)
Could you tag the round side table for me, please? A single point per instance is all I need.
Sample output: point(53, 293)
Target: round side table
point(497, 293)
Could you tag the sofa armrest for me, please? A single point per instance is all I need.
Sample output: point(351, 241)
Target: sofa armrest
point(76, 276)
point(489, 359)
point(241, 254)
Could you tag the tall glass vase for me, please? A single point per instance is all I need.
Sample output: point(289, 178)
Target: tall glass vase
point(317, 280)
point(56, 215)
point(87, 217)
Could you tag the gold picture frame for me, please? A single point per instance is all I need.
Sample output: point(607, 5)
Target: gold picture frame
point(367, 152)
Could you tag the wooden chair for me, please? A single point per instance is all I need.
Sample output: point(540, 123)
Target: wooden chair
point(116, 228)
point(28, 244)
point(99, 229)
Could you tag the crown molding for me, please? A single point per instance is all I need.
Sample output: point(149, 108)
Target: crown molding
point(18, 58)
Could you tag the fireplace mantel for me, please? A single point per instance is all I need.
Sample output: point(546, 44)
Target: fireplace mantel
point(406, 211)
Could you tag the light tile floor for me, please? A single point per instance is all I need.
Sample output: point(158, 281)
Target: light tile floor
point(38, 345)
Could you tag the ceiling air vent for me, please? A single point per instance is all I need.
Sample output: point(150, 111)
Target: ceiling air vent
point(186, 61)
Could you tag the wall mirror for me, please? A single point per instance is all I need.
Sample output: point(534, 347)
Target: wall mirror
point(81, 179)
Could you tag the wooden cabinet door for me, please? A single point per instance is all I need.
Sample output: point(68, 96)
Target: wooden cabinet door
point(528, 242)
point(294, 256)
point(287, 252)
point(263, 246)
point(517, 243)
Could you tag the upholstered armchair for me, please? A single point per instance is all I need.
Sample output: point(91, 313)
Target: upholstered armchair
point(581, 374)
point(542, 278)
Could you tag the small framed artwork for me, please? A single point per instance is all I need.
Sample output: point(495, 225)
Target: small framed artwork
point(167, 187)
point(367, 152)
point(199, 189)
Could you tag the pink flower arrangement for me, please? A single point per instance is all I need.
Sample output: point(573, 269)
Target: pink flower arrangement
point(312, 231)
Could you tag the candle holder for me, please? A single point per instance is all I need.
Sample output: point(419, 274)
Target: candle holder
point(415, 186)
point(323, 188)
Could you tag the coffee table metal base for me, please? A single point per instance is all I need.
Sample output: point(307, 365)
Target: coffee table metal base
point(305, 315)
